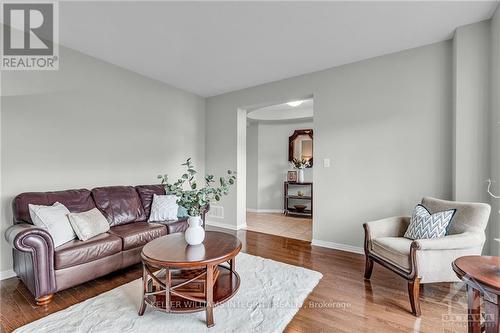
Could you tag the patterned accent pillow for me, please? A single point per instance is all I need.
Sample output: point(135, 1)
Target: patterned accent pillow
point(425, 225)
point(163, 208)
point(88, 224)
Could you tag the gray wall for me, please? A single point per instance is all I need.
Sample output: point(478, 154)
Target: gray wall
point(92, 124)
point(495, 131)
point(385, 123)
point(252, 164)
point(271, 162)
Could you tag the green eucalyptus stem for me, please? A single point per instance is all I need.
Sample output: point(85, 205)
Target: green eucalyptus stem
point(193, 198)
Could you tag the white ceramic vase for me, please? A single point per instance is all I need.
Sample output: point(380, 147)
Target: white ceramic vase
point(301, 176)
point(195, 234)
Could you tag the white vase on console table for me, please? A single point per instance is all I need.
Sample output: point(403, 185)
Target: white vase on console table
point(195, 234)
point(301, 176)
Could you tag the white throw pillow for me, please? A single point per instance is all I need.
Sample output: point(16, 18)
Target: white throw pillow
point(164, 208)
point(88, 224)
point(55, 220)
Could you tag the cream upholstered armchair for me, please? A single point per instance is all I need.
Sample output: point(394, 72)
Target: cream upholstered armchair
point(426, 260)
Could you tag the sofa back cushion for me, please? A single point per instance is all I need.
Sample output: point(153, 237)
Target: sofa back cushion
point(146, 194)
point(75, 200)
point(119, 204)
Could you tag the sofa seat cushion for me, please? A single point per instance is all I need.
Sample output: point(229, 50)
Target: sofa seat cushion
point(395, 250)
point(138, 233)
point(78, 252)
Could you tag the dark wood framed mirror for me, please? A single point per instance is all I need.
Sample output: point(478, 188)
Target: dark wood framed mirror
point(300, 145)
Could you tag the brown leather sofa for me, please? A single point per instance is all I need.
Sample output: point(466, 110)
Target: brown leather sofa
point(46, 270)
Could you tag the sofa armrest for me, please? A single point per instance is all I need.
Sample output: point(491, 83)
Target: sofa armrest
point(180, 225)
point(388, 227)
point(464, 240)
point(33, 257)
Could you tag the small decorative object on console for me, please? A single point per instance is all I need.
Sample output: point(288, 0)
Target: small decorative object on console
point(300, 208)
point(195, 199)
point(292, 176)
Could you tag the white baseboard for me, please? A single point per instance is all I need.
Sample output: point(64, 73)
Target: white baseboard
point(7, 274)
point(338, 246)
point(225, 225)
point(253, 210)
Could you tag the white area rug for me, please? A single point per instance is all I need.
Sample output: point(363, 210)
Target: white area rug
point(269, 296)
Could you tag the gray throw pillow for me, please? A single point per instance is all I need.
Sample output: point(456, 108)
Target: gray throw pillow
point(425, 225)
point(88, 224)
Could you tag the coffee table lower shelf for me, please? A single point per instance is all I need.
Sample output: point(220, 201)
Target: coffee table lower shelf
point(226, 284)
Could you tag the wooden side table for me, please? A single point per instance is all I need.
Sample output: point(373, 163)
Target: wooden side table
point(481, 274)
point(181, 278)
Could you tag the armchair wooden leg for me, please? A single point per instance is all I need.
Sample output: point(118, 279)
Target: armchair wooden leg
point(44, 300)
point(368, 268)
point(414, 292)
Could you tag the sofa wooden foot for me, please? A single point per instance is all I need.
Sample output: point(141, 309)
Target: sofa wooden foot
point(44, 300)
point(414, 292)
point(368, 268)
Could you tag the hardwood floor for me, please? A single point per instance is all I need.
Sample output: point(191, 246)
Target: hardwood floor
point(280, 225)
point(341, 302)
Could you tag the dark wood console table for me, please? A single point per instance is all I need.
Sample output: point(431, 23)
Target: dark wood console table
point(305, 199)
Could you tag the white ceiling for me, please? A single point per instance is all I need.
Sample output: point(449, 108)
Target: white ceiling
point(283, 111)
point(209, 48)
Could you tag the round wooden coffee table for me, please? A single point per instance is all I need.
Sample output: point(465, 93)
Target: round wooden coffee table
point(178, 277)
point(481, 274)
